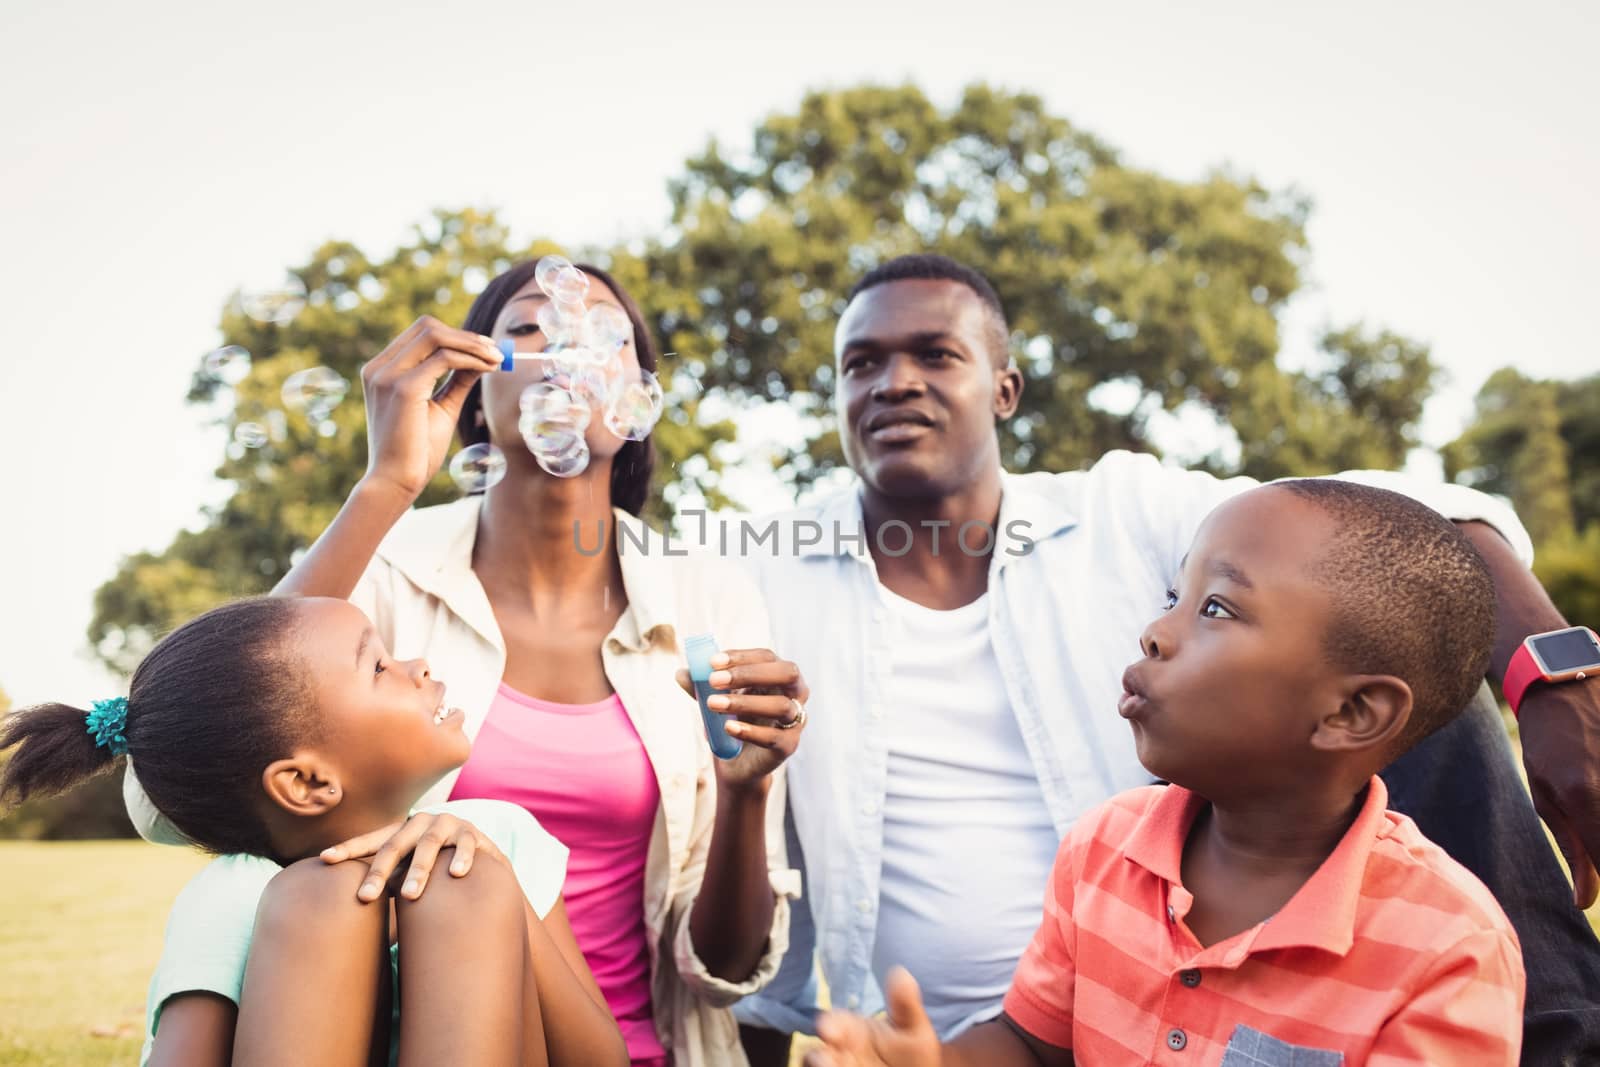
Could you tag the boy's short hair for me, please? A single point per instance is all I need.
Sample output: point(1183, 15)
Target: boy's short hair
point(1411, 598)
point(932, 267)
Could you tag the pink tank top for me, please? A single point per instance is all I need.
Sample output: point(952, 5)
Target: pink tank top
point(584, 774)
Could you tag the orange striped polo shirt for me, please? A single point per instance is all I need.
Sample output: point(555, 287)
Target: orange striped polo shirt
point(1391, 953)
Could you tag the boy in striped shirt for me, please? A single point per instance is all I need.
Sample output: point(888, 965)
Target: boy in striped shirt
point(1265, 908)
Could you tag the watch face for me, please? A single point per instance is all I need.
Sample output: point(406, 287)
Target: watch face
point(1567, 650)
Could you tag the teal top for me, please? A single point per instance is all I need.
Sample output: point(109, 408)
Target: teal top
point(209, 928)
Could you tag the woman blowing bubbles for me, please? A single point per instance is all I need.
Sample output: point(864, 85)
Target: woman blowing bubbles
point(563, 662)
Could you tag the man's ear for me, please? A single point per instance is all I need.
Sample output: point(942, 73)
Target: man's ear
point(1007, 391)
point(302, 784)
point(1373, 714)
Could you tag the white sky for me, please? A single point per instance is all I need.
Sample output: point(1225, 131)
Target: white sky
point(156, 155)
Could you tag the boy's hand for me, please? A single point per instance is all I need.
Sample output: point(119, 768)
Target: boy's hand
point(906, 1039)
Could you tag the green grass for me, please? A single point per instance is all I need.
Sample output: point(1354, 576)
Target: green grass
point(80, 931)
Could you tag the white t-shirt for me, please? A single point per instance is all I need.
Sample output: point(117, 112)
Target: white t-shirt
point(967, 839)
point(209, 928)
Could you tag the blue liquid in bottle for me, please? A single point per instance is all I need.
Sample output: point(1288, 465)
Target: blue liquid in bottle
point(698, 650)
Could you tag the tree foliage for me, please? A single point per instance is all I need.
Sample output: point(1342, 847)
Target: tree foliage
point(1538, 442)
point(1115, 278)
point(1110, 274)
point(286, 492)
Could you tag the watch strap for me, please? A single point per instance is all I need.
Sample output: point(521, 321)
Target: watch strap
point(1521, 673)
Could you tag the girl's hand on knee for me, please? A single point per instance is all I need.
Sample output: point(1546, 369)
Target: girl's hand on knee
point(423, 837)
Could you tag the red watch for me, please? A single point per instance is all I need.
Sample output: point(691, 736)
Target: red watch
point(1568, 655)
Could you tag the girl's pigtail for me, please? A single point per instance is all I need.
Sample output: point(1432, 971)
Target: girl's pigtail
point(55, 750)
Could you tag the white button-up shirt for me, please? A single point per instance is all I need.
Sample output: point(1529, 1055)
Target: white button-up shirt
point(1081, 564)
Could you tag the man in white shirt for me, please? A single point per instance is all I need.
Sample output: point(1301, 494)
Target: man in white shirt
point(965, 638)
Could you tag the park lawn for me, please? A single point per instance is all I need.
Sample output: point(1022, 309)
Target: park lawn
point(80, 931)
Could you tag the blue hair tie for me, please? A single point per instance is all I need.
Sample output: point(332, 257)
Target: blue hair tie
point(106, 723)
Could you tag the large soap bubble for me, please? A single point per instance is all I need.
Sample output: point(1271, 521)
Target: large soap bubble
point(568, 464)
point(547, 400)
point(569, 286)
point(607, 327)
point(635, 408)
point(545, 271)
point(251, 435)
point(315, 392)
point(477, 467)
point(277, 304)
point(229, 364)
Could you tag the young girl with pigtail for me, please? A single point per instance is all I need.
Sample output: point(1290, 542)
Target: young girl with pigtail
point(280, 734)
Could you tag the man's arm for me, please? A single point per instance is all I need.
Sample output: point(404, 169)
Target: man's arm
point(1560, 724)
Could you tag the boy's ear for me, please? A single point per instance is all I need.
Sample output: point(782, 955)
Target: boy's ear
point(1373, 713)
point(302, 784)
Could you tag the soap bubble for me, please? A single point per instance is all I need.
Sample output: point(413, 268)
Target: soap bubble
point(251, 434)
point(229, 364)
point(277, 426)
point(607, 328)
point(477, 467)
point(569, 286)
point(583, 373)
point(635, 408)
point(582, 379)
point(592, 384)
point(327, 428)
point(545, 271)
point(549, 401)
point(557, 328)
point(560, 366)
point(316, 391)
point(276, 304)
point(568, 464)
point(546, 437)
point(570, 311)
point(594, 357)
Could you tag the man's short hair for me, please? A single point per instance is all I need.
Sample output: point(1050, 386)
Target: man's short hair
point(932, 267)
point(1411, 598)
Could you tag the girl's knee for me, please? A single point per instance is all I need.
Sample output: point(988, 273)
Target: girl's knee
point(312, 899)
point(488, 894)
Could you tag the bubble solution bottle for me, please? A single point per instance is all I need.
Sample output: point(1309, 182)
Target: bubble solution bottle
point(698, 650)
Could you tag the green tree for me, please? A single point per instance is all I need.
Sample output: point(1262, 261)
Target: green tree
point(1110, 274)
point(1113, 276)
point(286, 492)
point(1538, 442)
point(1515, 447)
point(1569, 568)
